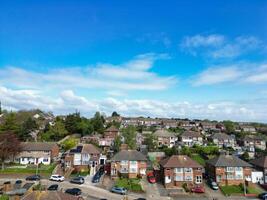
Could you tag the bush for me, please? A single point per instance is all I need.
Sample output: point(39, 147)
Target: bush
point(185, 186)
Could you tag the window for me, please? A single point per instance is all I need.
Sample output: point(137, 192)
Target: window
point(124, 162)
point(188, 178)
point(198, 179)
point(230, 169)
point(229, 176)
point(238, 176)
point(219, 178)
point(188, 170)
point(133, 170)
point(239, 169)
point(178, 178)
point(45, 159)
point(178, 170)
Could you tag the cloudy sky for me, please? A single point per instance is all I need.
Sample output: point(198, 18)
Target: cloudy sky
point(192, 59)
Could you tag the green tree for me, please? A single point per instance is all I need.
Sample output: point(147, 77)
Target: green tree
point(150, 141)
point(10, 123)
point(69, 143)
point(55, 132)
point(117, 143)
point(27, 127)
point(115, 114)
point(85, 127)
point(98, 122)
point(229, 126)
point(72, 122)
point(186, 151)
point(129, 135)
point(245, 156)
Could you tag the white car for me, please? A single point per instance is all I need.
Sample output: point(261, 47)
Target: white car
point(57, 177)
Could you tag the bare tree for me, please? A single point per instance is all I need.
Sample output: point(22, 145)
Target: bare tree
point(9, 146)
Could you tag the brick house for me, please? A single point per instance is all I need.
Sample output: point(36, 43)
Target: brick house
point(83, 157)
point(229, 170)
point(111, 132)
point(128, 163)
point(251, 142)
point(37, 153)
point(179, 169)
point(261, 165)
point(191, 138)
point(165, 138)
point(223, 140)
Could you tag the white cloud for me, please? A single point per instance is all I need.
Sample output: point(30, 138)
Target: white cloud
point(133, 75)
point(67, 101)
point(218, 46)
point(242, 73)
point(217, 75)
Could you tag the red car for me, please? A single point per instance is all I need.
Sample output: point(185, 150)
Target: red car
point(151, 178)
point(198, 189)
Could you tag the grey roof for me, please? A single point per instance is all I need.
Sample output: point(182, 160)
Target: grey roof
point(37, 146)
point(191, 134)
point(131, 155)
point(164, 133)
point(260, 162)
point(228, 161)
point(221, 136)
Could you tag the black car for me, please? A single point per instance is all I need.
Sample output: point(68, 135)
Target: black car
point(96, 178)
point(101, 170)
point(263, 196)
point(74, 191)
point(18, 182)
point(53, 187)
point(77, 180)
point(33, 178)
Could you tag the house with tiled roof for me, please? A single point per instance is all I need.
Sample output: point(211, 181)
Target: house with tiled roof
point(37, 153)
point(252, 142)
point(191, 138)
point(128, 163)
point(261, 165)
point(223, 140)
point(229, 170)
point(179, 169)
point(165, 138)
point(83, 157)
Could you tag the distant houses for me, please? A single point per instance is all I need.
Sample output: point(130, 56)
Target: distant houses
point(165, 138)
point(191, 138)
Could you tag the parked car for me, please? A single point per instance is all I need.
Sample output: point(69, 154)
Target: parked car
point(263, 196)
point(53, 187)
point(101, 170)
point(57, 177)
point(33, 178)
point(198, 189)
point(151, 178)
point(213, 185)
point(74, 191)
point(96, 178)
point(77, 180)
point(118, 190)
point(18, 182)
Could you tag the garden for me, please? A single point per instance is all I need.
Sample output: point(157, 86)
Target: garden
point(130, 184)
point(229, 190)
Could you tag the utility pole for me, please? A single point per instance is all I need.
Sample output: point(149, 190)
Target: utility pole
point(0, 108)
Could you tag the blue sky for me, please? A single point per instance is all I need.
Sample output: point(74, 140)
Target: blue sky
point(196, 59)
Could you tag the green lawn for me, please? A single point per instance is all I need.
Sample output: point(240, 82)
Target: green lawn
point(45, 170)
point(199, 159)
point(237, 189)
point(4, 197)
point(129, 184)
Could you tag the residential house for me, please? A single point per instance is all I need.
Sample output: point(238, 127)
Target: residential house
point(186, 124)
point(165, 138)
point(83, 157)
point(207, 126)
point(111, 132)
point(128, 163)
point(248, 129)
point(191, 138)
point(261, 165)
point(223, 140)
point(94, 138)
point(179, 169)
point(113, 119)
point(229, 170)
point(169, 123)
point(257, 142)
point(37, 153)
